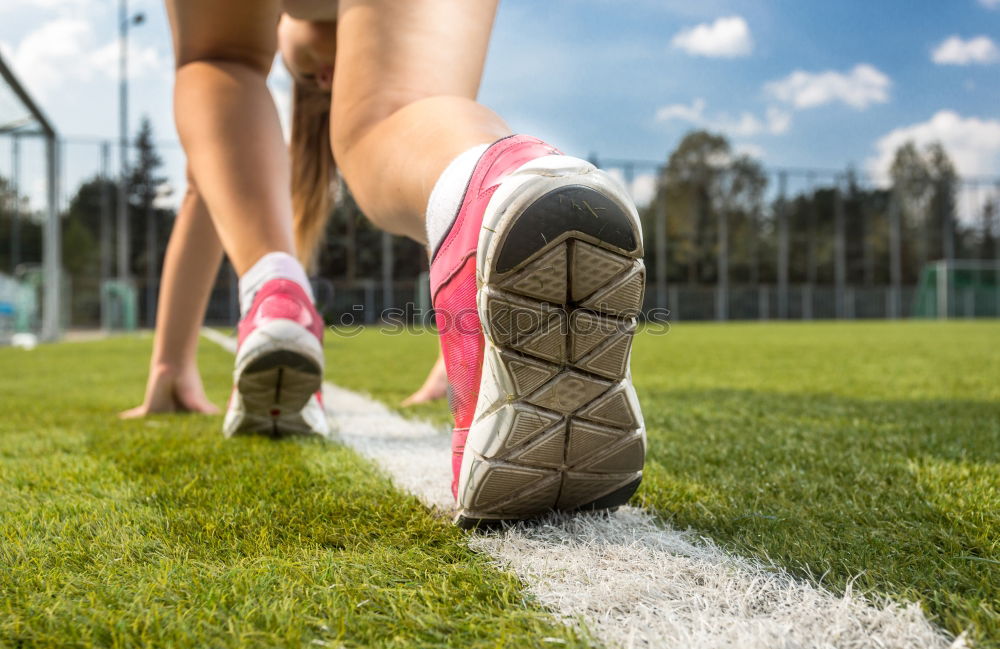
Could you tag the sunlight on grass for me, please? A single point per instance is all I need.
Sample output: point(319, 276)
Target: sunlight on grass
point(162, 533)
point(851, 452)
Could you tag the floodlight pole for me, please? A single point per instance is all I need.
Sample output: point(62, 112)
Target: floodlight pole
point(122, 207)
point(124, 20)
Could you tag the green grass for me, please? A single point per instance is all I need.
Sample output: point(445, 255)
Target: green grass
point(845, 452)
point(866, 452)
point(161, 533)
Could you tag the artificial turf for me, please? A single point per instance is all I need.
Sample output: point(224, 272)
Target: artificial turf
point(864, 453)
point(850, 453)
point(161, 533)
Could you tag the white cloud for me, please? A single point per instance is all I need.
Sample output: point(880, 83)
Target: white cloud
point(859, 88)
point(694, 113)
point(990, 4)
point(955, 51)
point(10, 5)
point(778, 121)
point(972, 143)
point(65, 49)
point(280, 85)
point(749, 149)
point(642, 188)
point(46, 55)
point(727, 37)
point(775, 121)
point(140, 61)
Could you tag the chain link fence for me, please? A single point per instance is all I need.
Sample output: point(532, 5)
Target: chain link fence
point(735, 243)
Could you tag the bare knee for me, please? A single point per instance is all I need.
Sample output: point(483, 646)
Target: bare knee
point(352, 120)
point(254, 60)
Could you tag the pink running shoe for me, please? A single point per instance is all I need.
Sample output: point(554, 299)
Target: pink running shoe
point(536, 290)
point(279, 366)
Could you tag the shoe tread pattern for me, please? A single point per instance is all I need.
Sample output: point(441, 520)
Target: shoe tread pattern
point(562, 323)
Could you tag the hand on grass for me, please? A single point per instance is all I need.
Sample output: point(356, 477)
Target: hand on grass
point(435, 386)
point(172, 389)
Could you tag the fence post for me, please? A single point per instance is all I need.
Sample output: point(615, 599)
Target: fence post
point(660, 236)
point(943, 301)
point(424, 299)
point(151, 264)
point(105, 232)
point(387, 268)
point(895, 256)
point(868, 258)
point(811, 217)
point(722, 268)
point(782, 247)
point(811, 246)
point(52, 245)
point(948, 230)
point(234, 295)
point(840, 250)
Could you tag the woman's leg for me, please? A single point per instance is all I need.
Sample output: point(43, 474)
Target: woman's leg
point(230, 131)
point(228, 123)
point(189, 269)
point(535, 276)
point(404, 104)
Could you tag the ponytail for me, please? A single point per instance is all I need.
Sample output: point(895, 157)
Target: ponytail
point(313, 170)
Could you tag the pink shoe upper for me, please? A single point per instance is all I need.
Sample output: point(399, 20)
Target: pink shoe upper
point(453, 283)
point(281, 299)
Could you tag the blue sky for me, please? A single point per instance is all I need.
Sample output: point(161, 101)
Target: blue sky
point(796, 83)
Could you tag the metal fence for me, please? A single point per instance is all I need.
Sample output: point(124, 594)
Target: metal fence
point(812, 249)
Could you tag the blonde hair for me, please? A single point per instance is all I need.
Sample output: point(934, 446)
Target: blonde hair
point(313, 170)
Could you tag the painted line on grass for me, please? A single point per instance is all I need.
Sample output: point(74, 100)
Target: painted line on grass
point(632, 580)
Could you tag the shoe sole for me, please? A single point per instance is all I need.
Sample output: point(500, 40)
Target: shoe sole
point(275, 380)
point(558, 426)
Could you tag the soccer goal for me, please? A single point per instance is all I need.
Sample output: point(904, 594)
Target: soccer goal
point(959, 288)
point(23, 122)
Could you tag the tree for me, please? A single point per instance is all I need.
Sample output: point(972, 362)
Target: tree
point(144, 183)
point(29, 229)
point(925, 184)
point(82, 225)
point(702, 183)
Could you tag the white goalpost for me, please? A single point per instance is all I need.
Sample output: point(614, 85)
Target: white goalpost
point(21, 117)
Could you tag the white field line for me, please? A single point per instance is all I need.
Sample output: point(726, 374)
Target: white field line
point(631, 579)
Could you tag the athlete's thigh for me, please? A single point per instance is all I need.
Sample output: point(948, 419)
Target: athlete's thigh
point(402, 51)
point(240, 31)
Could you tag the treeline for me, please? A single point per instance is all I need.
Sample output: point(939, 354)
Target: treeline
point(706, 189)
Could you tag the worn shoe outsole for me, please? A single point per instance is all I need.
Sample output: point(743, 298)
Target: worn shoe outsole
point(275, 383)
point(561, 283)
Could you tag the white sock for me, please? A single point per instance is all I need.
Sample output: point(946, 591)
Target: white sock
point(446, 197)
point(273, 265)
